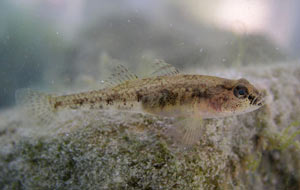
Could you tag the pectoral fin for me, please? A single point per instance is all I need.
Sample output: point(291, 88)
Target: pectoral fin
point(187, 131)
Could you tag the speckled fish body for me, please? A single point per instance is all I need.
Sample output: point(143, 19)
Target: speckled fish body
point(178, 95)
point(168, 94)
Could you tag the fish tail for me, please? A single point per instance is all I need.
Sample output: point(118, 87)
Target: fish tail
point(36, 105)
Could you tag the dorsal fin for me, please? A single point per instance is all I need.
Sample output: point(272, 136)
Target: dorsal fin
point(163, 69)
point(120, 75)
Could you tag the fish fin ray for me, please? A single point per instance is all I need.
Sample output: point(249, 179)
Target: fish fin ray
point(120, 75)
point(187, 131)
point(36, 105)
point(163, 69)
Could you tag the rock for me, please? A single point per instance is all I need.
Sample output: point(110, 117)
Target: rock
point(94, 150)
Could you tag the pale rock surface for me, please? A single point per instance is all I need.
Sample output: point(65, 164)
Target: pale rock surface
point(94, 150)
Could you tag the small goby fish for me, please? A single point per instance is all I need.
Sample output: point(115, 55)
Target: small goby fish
point(166, 92)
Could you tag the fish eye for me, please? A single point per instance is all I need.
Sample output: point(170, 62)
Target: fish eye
point(240, 91)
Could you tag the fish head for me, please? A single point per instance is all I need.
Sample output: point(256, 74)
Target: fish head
point(236, 97)
point(243, 97)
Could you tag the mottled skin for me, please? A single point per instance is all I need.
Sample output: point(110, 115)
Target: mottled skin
point(176, 95)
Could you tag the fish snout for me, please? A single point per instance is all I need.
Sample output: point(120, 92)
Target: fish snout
point(257, 100)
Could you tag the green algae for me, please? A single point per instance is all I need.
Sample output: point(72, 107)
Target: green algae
point(283, 140)
point(80, 158)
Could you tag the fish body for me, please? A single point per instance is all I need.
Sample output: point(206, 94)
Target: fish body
point(176, 95)
point(168, 95)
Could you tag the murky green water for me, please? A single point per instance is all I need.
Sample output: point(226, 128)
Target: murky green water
point(66, 46)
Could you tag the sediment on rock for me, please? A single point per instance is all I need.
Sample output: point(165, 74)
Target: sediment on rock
point(258, 150)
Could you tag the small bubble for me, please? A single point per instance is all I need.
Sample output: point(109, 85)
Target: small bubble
point(223, 60)
point(201, 50)
point(128, 20)
point(277, 48)
point(171, 25)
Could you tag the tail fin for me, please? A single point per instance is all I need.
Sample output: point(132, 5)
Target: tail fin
point(36, 105)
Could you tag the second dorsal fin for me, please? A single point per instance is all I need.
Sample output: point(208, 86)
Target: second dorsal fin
point(163, 69)
point(120, 75)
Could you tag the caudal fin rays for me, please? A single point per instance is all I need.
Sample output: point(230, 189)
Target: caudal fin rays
point(36, 105)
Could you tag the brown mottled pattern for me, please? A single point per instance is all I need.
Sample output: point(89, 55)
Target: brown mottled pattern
point(158, 93)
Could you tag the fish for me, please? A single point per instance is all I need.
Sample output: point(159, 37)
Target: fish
point(165, 92)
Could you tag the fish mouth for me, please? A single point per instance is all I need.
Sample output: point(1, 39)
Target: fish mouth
point(256, 100)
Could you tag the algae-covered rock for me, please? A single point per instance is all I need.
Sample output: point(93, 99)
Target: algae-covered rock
point(94, 150)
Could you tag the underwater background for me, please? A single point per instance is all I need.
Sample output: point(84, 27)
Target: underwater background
point(63, 46)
